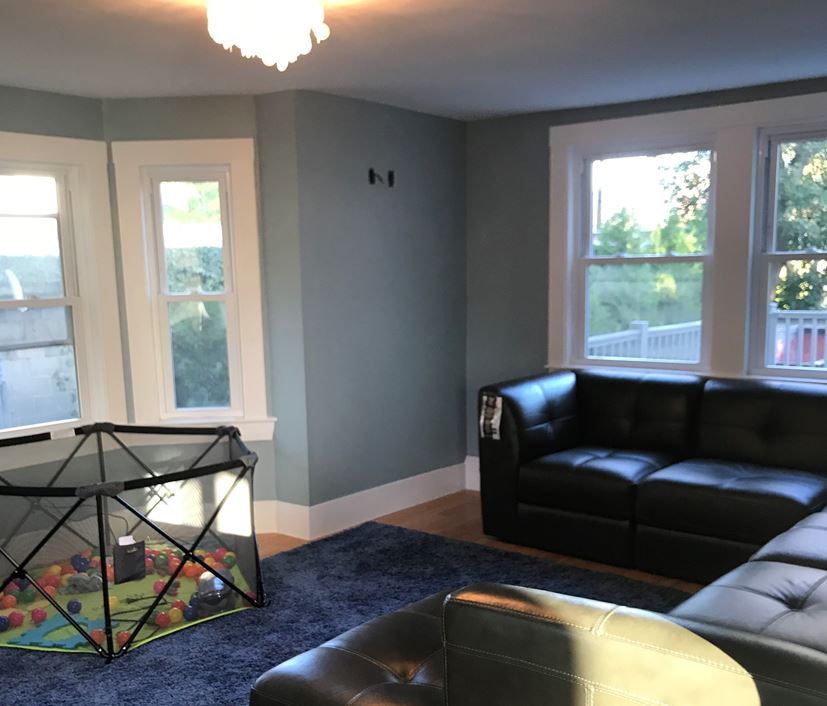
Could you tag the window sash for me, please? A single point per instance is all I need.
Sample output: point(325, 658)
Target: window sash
point(162, 297)
point(579, 315)
point(766, 254)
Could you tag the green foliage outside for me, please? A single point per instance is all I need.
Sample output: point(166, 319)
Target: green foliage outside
point(658, 293)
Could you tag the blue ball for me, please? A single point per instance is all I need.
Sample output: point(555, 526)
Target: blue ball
point(195, 600)
point(4, 623)
point(74, 607)
point(190, 613)
point(23, 584)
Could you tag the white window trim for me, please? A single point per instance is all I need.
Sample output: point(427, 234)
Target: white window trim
point(84, 165)
point(132, 160)
point(734, 132)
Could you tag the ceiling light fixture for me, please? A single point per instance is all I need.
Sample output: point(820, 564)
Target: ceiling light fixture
point(276, 31)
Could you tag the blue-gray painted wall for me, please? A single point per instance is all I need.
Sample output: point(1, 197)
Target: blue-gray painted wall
point(40, 113)
point(383, 291)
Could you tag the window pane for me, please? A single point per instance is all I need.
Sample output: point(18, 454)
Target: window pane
point(650, 205)
point(199, 354)
point(28, 195)
point(797, 317)
point(801, 200)
point(647, 312)
point(38, 378)
point(193, 236)
point(30, 258)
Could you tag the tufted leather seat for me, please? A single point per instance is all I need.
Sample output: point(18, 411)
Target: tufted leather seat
point(589, 479)
point(804, 545)
point(767, 598)
point(742, 502)
point(392, 660)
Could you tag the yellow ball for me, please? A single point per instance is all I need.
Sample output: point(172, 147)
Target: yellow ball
point(54, 570)
point(175, 615)
point(64, 580)
point(114, 602)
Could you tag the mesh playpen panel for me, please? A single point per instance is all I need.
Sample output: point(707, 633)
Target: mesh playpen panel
point(121, 535)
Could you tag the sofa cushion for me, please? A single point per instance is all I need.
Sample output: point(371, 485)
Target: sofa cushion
point(736, 501)
point(772, 423)
point(393, 660)
point(767, 598)
point(804, 545)
point(638, 411)
point(589, 479)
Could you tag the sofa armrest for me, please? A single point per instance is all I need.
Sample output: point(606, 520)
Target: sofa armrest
point(508, 645)
point(525, 419)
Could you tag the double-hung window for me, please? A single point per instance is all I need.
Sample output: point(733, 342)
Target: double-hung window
point(39, 311)
point(194, 290)
point(644, 256)
point(790, 320)
point(192, 282)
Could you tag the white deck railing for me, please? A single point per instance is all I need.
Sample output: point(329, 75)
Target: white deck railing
point(796, 339)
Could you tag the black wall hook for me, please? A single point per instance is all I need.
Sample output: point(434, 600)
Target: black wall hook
point(374, 176)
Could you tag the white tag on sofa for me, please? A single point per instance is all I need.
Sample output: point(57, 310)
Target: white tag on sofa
point(491, 415)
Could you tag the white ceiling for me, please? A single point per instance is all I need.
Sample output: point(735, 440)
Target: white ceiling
point(462, 58)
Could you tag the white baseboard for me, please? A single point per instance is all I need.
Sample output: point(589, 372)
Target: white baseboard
point(339, 514)
point(472, 472)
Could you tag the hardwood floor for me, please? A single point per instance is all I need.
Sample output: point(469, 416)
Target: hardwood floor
point(458, 516)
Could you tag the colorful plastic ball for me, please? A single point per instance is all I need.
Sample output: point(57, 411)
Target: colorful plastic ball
point(74, 607)
point(190, 613)
point(54, 570)
point(94, 563)
point(16, 619)
point(86, 553)
point(179, 604)
point(229, 559)
point(64, 580)
point(50, 590)
point(210, 561)
point(123, 637)
point(220, 553)
point(161, 561)
point(28, 595)
point(99, 636)
point(176, 615)
point(67, 569)
point(8, 601)
point(22, 584)
point(4, 623)
point(50, 580)
point(114, 602)
point(150, 566)
point(162, 620)
point(159, 586)
point(38, 615)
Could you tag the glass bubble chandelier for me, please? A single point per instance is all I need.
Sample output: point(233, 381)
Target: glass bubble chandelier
point(276, 31)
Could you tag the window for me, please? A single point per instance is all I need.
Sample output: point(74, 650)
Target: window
point(195, 295)
point(192, 284)
point(644, 256)
point(38, 298)
point(791, 271)
point(61, 362)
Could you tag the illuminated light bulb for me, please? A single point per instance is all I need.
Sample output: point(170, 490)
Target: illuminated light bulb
point(276, 31)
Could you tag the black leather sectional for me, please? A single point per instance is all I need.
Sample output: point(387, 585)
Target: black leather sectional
point(755, 637)
point(674, 474)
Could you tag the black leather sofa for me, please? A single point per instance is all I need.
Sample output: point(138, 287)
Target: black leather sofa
point(755, 637)
point(674, 474)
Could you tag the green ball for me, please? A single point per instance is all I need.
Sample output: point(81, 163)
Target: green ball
point(161, 561)
point(28, 596)
point(229, 560)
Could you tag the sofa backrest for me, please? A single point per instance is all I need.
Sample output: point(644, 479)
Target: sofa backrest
point(657, 412)
point(767, 423)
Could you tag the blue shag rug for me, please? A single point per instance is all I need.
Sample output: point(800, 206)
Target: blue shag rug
point(318, 591)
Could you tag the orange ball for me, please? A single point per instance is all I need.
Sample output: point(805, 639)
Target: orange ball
point(123, 637)
point(51, 590)
point(8, 602)
point(98, 636)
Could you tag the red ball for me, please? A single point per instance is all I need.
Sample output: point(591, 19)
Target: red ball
point(99, 636)
point(67, 569)
point(159, 586)
point(180, 605)
point(220, 553)
point(16, 619)
point(50, 590)
point(162, 620)
point(150, 566)
point(39, 615)
point(123, 637)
